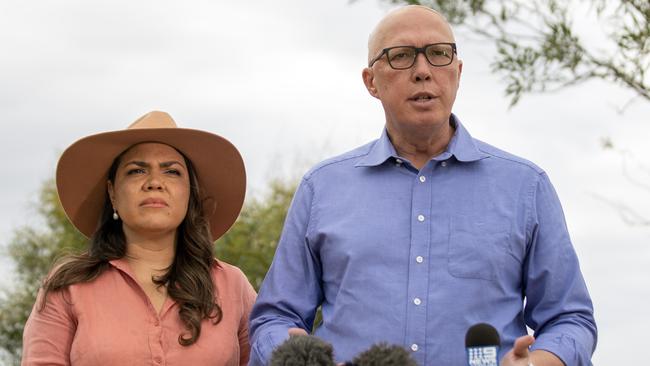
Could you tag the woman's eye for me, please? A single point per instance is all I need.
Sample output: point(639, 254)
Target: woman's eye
point(135, 171)
point(174, 172)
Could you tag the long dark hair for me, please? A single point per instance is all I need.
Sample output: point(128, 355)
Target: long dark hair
point(188, 278)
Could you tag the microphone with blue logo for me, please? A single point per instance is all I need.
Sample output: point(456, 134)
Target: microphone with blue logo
point(482, 342)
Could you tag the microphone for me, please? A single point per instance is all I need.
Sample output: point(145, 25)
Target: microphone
point(303, 350)
point(482, 343)
point(383, 354)
point(308, 350)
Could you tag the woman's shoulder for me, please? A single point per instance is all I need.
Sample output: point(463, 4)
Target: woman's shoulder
point(228, 276)
point(225, 270)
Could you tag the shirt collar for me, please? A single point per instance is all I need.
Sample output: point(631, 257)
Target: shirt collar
point(461, 146)
point(380, 151)
point(122, 265)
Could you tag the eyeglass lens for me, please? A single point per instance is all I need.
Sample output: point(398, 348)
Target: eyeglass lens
point(436, 54)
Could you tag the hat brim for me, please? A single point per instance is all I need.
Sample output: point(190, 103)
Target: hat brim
point(82, 173)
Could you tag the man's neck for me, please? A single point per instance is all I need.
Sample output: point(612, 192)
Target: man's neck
point(419, 147)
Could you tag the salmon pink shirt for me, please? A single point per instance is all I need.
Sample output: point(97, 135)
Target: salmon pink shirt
point(110, 321)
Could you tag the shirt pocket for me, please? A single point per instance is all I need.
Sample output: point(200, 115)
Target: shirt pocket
point(477, 246)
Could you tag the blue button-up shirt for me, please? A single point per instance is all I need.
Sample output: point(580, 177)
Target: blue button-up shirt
point(415, 258)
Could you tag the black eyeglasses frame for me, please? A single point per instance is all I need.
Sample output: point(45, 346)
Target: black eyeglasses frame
point(418, 50)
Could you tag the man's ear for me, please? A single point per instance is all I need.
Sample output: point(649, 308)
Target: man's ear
point(369, 80)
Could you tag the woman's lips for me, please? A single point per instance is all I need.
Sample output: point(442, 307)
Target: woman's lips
point(153, 203)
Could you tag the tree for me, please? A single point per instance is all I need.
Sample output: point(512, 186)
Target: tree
point(34, 251)
point(250, 245)
point(539, 48)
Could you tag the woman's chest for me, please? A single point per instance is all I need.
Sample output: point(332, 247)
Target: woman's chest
point(125, 329)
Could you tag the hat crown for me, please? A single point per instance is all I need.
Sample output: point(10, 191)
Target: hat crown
point(154, 119)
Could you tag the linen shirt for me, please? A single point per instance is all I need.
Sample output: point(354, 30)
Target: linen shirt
point(415, 258)
point(111, 321)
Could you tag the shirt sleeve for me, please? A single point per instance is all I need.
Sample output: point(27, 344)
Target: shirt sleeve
point(49, 332)
point(291, 291)
point(248, 298)
point(558, 307)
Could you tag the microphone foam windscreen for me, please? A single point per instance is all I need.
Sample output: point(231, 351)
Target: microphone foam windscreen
point(302, 350)
point(383, 354)
point(482, 335)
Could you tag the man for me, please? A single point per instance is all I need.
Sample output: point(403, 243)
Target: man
point(413, 238)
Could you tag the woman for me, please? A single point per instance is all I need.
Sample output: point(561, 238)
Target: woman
point(148, 291)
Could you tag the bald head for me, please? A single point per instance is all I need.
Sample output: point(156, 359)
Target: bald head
point(391, 24)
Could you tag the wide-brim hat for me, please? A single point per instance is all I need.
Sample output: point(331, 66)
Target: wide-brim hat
point(82, 171)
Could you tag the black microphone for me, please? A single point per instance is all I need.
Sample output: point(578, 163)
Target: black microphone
point(482, 343)
point(303, 350)
point(383, 354)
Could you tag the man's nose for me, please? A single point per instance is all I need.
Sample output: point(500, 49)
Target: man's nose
point(421, 68)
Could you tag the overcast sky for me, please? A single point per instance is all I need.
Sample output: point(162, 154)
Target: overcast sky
point(282, 80)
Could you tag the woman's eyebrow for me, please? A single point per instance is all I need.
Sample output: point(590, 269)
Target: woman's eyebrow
point(164, 164)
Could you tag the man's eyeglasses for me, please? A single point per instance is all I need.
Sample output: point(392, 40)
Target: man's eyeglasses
point(403, 57)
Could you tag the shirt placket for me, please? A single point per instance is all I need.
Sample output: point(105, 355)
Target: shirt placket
point(418, 269)
point(155, 328)
point(155, 340)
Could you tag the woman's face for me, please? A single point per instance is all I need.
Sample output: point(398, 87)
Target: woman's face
point(151, 190)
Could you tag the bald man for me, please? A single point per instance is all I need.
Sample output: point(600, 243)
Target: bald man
point(426, 231)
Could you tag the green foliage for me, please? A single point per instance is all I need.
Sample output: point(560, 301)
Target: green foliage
point(33, 251)
point(539, 48)
point(250, 245)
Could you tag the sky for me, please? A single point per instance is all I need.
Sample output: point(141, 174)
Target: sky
point(282, 81)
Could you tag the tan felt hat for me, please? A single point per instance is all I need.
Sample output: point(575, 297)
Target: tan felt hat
point(82, 172)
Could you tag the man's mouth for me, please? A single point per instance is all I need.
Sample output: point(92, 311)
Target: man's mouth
point(422, 97)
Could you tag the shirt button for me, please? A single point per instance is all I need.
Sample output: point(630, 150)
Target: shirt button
point(417, 301)
point(419, 259)
point(398, 161)
point(156, 322)
point(423, 178)
point(414, 347)
point(157, 359)
point(444, 163)
point(420, 218)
